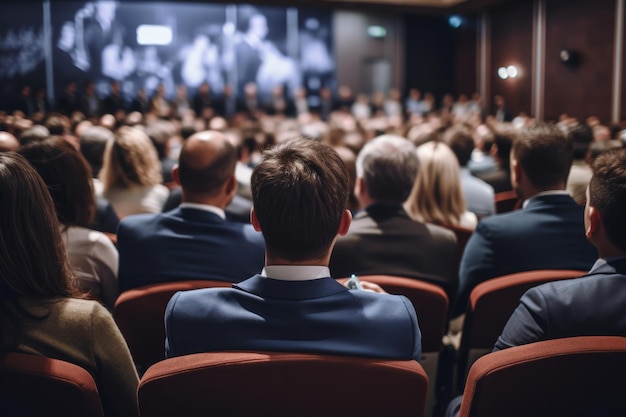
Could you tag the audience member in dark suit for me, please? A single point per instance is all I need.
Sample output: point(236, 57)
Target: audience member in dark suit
point(68, 102)
point(203, 102)
point(300, 193)
point(590, 305)
point(226, 104)
point(500, 178)
point(140, 103)
point(114, 102)
point(89, 103)
point(238, 210)
point(383, 239)
point(547, 233)
point(594, 304)
point(194, 241)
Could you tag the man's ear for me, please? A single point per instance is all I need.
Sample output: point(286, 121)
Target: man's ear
point(176, 174)
point(254, 220)
point(517, 173)
point(594, 224)
point(346, 221)
point(231, 185)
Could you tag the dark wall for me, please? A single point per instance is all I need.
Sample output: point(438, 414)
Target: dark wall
point(587, 27)
point(511, 44)
point(465, 56)
point(430, 55)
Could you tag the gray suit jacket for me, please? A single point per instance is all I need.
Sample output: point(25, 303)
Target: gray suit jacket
point(383, 239)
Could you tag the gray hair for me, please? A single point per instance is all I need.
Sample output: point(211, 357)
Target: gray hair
point(388, 165)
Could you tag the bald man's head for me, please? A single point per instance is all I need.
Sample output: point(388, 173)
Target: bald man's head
point(8, 142)
point(207, 160)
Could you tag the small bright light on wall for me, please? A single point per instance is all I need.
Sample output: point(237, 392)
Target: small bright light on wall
point(455, 21)
point(154, 35)
point(508, 72)
point(376, 31)
point(512, 71)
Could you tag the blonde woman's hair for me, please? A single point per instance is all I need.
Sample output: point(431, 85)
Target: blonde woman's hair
point(130, 160)
point(436, 196)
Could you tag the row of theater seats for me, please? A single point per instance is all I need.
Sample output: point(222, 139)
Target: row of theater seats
point(580, 376)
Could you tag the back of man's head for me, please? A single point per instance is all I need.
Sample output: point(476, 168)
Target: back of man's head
point(461, 141)
point(300, 193)
point(93, 143)
point(581, 136)
point(206, 161)
point(388, 165)
point(607, 193)
point(545, 153)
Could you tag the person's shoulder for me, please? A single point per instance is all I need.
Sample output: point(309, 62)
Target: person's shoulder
point(440, 232)
point(76, 309)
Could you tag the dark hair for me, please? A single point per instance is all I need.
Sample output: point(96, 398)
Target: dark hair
point(545, 153)
point(57, 124)
point(388, 165)
point(199, 176)
point(460, 140)
point(68, 177)
point(300, 192)
point(33, 261)
point(607, 193)
point(503, 140)
point(581, 136)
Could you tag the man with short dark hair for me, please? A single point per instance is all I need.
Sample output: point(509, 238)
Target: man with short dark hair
point(593, 304)
point(383, 239)
point(546, 233)
point(193, 241)
point(300, 195)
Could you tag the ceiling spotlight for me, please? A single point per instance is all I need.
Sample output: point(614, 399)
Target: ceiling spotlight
point(512, 71)
point(503, 73)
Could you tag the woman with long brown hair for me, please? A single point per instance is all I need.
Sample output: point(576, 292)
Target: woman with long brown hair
point(41, 312)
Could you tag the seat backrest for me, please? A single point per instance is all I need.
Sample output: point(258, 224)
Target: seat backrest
point(32, 385)
point(490, 305)
point(140, 312)
point(507, 201)
point(574, 377)
point(430, 302)
point(282, 384)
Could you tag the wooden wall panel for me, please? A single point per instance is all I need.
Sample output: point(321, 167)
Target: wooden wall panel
point(587, 27)
point(511, 44)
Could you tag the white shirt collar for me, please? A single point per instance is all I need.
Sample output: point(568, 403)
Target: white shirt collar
point(205, 207)
point(550, 192)
point(295, 272)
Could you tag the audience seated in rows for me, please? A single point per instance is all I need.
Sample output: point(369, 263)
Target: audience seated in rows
point(92, 255)
point(547, 233)
point(436, 196)
point(42, 312)
point(591, 305)
point(383, 239)
point(300, 194)
point(193, 241)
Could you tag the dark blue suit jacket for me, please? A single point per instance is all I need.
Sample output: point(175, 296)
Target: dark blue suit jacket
point(186, 243)
point(592, 305)
point(319, 316)
point(549, 233)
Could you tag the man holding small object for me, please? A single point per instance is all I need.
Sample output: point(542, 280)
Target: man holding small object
point(300, 195)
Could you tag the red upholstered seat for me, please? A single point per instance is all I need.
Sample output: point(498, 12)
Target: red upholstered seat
point(37, 386)
point(282, 384)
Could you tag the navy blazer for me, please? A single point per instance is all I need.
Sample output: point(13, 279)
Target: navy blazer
point(183, 244)
point(318, 316)
point(592, 305)
point(549, 233)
